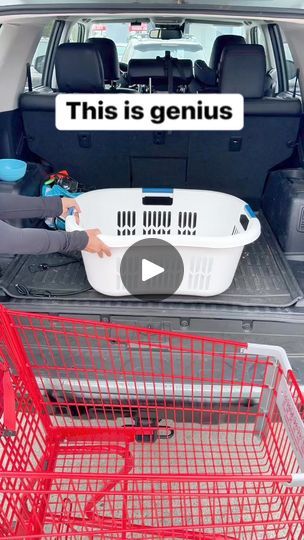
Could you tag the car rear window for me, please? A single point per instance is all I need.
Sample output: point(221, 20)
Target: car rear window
point(133, 40)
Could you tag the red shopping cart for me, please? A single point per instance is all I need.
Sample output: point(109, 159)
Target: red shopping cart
point(131, 433)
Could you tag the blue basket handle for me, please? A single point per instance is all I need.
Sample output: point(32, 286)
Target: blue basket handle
point(249, 211)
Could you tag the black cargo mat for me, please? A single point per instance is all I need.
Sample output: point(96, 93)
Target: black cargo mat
point(263, 278)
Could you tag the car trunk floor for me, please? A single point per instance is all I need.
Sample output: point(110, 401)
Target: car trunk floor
point(263, 278)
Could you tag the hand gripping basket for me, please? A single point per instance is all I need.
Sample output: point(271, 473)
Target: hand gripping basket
point(208, 229)
point(129, 433)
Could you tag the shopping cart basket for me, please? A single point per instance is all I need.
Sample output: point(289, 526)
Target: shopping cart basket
point(131, 433)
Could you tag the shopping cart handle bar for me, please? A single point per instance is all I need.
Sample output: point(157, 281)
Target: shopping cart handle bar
point(281, 479)
point(270, 350)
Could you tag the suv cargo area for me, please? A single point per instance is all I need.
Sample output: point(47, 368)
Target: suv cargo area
point(262, 164)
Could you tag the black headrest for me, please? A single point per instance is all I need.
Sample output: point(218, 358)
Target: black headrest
point(204, 73)
point(109, 56)
point(79, 68)
point(141, 70)
point(219, 45)
point(242, 70)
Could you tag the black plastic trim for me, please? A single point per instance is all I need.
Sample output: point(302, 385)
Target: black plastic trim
point(51, 51)
point(279, 55)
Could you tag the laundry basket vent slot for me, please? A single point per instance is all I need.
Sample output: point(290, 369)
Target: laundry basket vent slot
point(200, 273)
point(156, 222)
point(187, 223)
point(126, 223)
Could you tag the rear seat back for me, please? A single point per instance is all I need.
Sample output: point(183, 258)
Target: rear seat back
point(98, 159)
point(234, 162)
point(238, 162)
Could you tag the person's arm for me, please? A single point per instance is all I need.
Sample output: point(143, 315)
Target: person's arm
point(15, 241)
point(20, 206)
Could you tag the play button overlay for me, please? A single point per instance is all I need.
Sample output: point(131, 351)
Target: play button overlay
point(149, 270)
point(152, 268)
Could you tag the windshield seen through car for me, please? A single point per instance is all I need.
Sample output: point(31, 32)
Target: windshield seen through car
point(133, 41)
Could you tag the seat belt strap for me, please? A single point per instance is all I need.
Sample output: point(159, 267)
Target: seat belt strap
point(296, 83)
point(169, 70)
point(29, 77)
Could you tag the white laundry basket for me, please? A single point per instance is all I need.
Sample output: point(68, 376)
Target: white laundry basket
point(209, 230)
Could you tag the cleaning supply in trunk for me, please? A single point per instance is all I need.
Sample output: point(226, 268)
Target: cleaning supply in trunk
point(62, 185)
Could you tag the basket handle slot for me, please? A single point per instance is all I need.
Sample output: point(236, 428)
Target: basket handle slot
point(244, 221)
point(157, 196)
point(157, 201)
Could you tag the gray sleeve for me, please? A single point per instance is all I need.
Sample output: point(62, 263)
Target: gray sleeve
point(20, 206)
point(15, 241)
